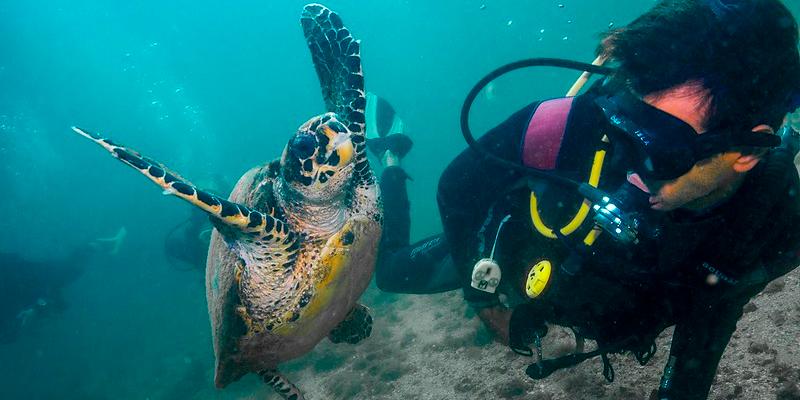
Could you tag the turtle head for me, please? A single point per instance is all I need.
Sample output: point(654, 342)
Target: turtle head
point(318, 160)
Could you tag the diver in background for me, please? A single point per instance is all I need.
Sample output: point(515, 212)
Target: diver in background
point(683, 132)
point(186, 244)
point(32, 289)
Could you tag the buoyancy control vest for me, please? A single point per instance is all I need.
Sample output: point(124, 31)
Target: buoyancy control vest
point(715, 254)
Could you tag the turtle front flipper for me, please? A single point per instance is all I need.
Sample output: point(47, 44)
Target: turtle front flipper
point(235, 217)
point(282, 386)
point(356, 327)
point(337, 59)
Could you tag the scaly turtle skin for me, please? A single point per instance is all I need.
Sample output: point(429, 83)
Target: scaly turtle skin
point(295, 243)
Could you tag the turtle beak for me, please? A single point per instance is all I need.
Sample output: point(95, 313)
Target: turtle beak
point(340, 145)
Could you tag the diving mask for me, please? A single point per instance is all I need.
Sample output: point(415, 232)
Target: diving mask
point(663, 146)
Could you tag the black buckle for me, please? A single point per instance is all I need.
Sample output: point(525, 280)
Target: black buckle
point(643, 357)
point(608, 369)
point(526, 324)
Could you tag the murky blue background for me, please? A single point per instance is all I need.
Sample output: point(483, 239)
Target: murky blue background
point(215, 88)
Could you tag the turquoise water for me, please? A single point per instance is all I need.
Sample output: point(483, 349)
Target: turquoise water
point(211, 89)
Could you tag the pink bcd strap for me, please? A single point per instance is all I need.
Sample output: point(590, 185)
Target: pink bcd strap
point(545, 133)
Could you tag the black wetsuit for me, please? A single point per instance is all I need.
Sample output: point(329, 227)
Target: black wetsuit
point(621, 296)
point(421, 268)
point(184, 245)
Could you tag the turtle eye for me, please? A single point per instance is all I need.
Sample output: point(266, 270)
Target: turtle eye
point(303, 146)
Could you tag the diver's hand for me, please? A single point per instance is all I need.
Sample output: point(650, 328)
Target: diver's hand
point(497, 319)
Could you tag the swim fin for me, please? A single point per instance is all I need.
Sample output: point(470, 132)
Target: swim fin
point(384, 131)
point(381, 118)
point(114, 242)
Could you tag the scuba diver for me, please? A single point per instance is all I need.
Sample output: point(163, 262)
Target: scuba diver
point(693, 201)
point(662, 196)
point(402, 267)
point(186, 244)
point(32, 289)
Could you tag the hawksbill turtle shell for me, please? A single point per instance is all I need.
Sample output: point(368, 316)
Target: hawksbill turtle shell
point(296, 241)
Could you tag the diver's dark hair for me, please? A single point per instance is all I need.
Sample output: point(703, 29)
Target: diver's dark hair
point(746, 55)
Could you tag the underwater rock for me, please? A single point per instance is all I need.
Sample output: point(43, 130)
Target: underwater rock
point(757, 348)
point(775, 286)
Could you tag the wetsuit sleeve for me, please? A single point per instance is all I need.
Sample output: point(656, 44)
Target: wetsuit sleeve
point(784, 255)
point(469, 187)
point(424, 267)
point(698, 343)
point(396, 207)
point(700, 339)
point(421, 268)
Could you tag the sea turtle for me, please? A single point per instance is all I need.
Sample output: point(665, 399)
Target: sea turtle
point(295, 243)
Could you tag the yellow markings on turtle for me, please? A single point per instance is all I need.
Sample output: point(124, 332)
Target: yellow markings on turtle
point(329, 132)
point(287, 316)
point(283, 329)
point(252, 326)
point(343, 150)
point(333, 260)
point(216, 209)
point(237, 274)
point(336, 258)
point(538, 277)
point(237, 219)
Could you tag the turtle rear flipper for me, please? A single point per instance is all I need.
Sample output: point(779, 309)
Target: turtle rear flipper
point(282, 386)
point(356, 327)
point(231, 218)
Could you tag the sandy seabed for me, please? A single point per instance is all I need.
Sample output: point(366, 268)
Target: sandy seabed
point(433, 347)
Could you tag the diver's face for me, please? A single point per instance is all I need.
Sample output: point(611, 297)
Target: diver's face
point(709, 181)
point(318, 160)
